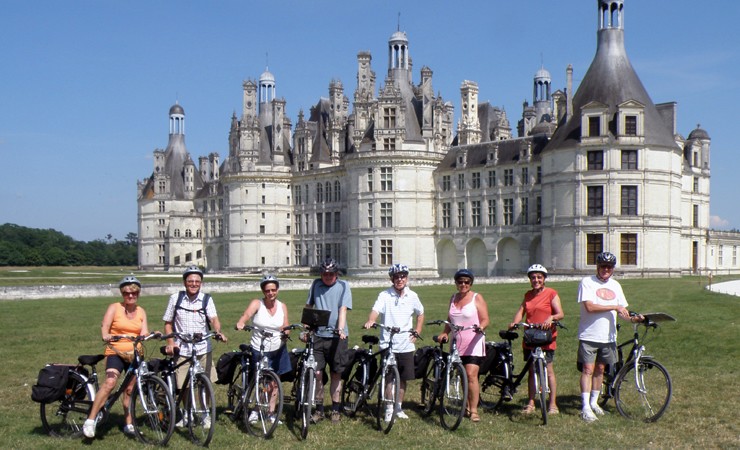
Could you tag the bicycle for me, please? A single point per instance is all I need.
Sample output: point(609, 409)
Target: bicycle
point(254, 392)
point(303, 392)
point(196, 402)
point(501, 381)
point(446, 380)
point(640, 385)
point(152, 406)
point(364, 383)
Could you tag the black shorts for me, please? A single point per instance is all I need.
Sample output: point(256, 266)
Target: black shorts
point(115, 362)
point(549, 355)
point(332, 351)
point(405, 363)
point(477, 360)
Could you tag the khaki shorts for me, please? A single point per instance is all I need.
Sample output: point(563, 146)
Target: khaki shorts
point(592, 352)
point(206, 361)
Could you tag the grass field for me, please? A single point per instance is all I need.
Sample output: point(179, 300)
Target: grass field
point(700, 351)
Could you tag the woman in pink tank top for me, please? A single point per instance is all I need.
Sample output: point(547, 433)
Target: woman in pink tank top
point(468, 308)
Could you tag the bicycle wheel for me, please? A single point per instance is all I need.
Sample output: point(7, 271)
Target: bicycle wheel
point(429, 387)
point(64, 417)
point(201, 411)
point(353, 390)
point(235, 392)
point(643, 394)
point(153, 410)
point(385, 410)
point(455, 398)
point(540, 374)
point(260, 420)
point(308, 378)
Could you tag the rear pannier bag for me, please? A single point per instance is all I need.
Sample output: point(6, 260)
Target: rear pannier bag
point(51, 384)
point(226, 366)
point(421, 360)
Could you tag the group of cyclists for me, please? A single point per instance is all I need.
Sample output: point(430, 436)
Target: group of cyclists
point(600, 297)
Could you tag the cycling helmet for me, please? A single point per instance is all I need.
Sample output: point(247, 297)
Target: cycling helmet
point(606, 259)
point(464, 273)
point(130, 279)
point(269, 279)
point(537, 268)
point(329, 266)
point(191, 270)
point(398, 268)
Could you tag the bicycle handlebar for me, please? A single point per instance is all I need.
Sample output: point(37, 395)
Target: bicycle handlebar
point(140, 338)
point(555, 323)
point(395, 330)
point(457, 328)
point(193, 338)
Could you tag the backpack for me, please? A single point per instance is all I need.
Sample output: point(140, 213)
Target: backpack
point(51, 384)
point(202, 310)
point(226, 366)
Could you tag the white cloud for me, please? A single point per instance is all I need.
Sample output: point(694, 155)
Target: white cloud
point(718, 222)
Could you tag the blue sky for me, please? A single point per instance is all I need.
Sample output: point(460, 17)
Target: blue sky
point(86, 85)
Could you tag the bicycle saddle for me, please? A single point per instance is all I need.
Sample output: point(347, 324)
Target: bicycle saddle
point(508, 335)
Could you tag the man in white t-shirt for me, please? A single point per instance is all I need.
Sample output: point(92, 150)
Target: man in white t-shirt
point(397, 305)
point(601, 299)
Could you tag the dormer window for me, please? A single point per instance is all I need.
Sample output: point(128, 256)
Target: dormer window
point(630, 125)
point(594, 126)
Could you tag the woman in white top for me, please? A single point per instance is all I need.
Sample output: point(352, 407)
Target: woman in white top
point(270, 313)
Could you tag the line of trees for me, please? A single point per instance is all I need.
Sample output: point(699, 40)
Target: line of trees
point(23, 246)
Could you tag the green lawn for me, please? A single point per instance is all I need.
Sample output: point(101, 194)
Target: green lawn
point(700, 351)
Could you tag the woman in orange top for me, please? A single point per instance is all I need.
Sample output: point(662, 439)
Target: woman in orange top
point(121, 318)
point(541, 305)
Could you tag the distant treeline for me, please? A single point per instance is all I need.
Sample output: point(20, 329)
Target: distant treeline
point(22, 246)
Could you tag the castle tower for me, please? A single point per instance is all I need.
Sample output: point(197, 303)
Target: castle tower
point(267, 87)
point(469, 128)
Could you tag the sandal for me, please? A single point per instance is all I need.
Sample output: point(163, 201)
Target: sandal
point(529, 409)
point(553, 411)
point(474, 417)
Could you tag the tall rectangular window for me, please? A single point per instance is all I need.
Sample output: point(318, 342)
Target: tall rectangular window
point(327, 222)
point(446, 215)
point(628, 247)
point(595, 160)
point(695, 216)
point(475, 213)
point(720, 255)
point(297, 251)
point(525, 211)
point(297, 224)
point(594, 246)
point(386, 214)
point(629, 159)
point(369, 179)
point(475, 180)
point(508, 177)
point(370, 252)
point(460, 214)
point(629, 200)
point(319, 222)
point(525, 176)
point(695, 187)
point(386, 178)
point(386, 252)
point(389, 118)
point(161, 207)
point(491, 178)
point(370, 215)
point(508, 211)
point(594, 126)
point(460, 181)
point(337, 222)
point(595, 201)
point(445, 183)
point(539, 210)
point(630, 125)
point(491, 212)
point(539, 175)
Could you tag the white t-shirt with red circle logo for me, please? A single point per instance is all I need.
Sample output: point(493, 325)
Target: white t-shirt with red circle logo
point(599, 326)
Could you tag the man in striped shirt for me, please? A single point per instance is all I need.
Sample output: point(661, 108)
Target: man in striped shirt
point(396, 306)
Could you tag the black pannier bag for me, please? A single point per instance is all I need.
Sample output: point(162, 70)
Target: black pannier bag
point(51, 384)
point(226, 366)
point(421, 361)
point(536, 337)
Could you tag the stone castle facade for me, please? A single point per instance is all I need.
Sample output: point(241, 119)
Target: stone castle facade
point(389, 177)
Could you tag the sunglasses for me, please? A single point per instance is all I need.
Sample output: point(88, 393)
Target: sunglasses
point(398, 276)
point(463, 282)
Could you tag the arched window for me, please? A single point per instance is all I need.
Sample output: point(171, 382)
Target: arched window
point(328, 191)
point(177, 232)
point(337, 191)
point(319, 192)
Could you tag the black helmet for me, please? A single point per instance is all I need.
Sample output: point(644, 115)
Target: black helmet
point(191, 270)
point(269, 279)
point(606, 259)
point(464, 273)
point(130, 279)
point(329, 266)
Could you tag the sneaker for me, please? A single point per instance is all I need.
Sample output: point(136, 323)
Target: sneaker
point(273, 418)
point(253, 417)
point(588, 416)
point(182, 423)
point(388, 414)
point(207, 423)
point(597, 410)
point(317, 416)
point(401, 415)
point(88, 428)
point(336, 417)
point(129, 430)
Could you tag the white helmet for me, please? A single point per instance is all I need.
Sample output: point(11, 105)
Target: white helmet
point(537, 268)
